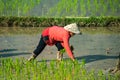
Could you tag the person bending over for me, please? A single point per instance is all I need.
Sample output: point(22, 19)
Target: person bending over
point(58, 36)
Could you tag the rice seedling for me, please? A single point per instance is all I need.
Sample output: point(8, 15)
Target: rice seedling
point(60, 8)
point(82, 7)
point(17, 7)
point(17, 69)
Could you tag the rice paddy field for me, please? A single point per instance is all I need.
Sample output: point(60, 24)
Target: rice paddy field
point(20, 69)
point(15, 44)
point(15, 67)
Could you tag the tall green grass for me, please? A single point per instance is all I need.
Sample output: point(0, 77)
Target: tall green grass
point(61, 8)
point(75, 8)
point(20, 69)
point(16, 7)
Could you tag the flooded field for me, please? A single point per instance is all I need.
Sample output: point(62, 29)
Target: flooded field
point(100, 50)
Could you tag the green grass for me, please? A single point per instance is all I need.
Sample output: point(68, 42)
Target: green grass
point(20, 69)
point(38, 30)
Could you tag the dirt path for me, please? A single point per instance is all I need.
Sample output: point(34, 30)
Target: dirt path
point(90, 47)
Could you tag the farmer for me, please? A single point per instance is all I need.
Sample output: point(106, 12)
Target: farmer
point(58, 36)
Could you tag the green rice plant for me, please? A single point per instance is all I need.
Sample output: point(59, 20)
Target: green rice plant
point(17, 69)
point(8, 67)
point(88, 7)
point(61, 8)
point(74, 8)
point(62, 51)
point(111, 7)
point(17, 7)
point(82, 7)
point(1, 7)
point(116, 4)
point(96, 6)
point(104, 8)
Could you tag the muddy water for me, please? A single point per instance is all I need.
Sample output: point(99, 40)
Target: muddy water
point(100, 51)
point(90, 47)
point(96, 43)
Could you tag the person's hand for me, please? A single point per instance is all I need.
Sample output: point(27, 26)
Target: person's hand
point(72, 48)
point(73, 60)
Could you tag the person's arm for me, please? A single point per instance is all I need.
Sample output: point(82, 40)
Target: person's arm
point(67, 48)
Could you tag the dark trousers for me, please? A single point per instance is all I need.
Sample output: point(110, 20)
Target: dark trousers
point(42, 45)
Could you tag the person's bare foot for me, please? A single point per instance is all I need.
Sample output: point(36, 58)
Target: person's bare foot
point(32, 57)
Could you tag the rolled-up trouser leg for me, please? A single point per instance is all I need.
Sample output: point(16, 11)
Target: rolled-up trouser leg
point(59, 54)
point(32, 57)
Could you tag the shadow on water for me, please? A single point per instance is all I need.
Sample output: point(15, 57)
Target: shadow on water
point(8, 53)
point(8, 50)
point(87, 58)
point(12, 54)
point(92, 58)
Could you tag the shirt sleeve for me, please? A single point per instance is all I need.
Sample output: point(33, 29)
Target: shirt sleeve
point(67, 47)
